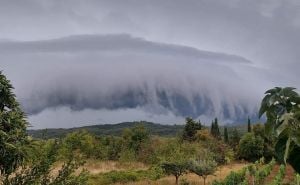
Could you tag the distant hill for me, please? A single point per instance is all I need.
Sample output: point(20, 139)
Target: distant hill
point(109, 129)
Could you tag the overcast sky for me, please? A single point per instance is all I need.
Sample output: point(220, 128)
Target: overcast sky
point(82, 62)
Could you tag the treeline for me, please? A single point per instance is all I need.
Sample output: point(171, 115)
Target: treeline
point(109, 130)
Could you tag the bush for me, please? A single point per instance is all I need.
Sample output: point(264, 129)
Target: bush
point(234, 178)
point(251, 147)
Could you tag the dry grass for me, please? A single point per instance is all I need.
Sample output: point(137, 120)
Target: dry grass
point(221, 173)
point(95, 167)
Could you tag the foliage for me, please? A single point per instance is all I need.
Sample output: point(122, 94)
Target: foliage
point(111, 147)
point(259, 170)
point(296, 179)
point(175, 168)
point(39, 170)
point(279, 177)
point(226, 139)
point(134, 138)
point(12, 129)
point(219, 151)
point(251, 147)
point(215, 131)
point(204, 136)
point(16, 147)
point(234, 139)
point(190, 129)
point(234, 178)
point(263, 172)
point(107, 130)
point(259, 130)
point(249, 125)
point(282, 108)
point(81, 142)
point(203, 168)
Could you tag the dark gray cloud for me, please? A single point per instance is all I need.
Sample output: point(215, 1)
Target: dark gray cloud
point(210, 57)
point(120, 71)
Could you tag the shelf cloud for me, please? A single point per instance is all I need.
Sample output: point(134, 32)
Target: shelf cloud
point(121, 71)
point(101, 60)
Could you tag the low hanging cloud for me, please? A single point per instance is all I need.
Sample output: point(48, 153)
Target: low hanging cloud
point(113, 72)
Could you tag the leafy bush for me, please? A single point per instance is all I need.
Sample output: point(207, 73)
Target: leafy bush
point(251, 147)
point(234, 178)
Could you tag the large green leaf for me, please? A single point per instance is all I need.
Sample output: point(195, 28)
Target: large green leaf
point(264, 105)
point(274, 90)
point(287, 149)
point(280, 149)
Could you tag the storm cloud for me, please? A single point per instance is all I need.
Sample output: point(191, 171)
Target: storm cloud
point(164, 58)
point(120, 71)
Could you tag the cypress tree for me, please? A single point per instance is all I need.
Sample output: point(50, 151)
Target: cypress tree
point(217, 134)
point(249, 125)
point(225, 135)
point(212, 128)
point(215, 131)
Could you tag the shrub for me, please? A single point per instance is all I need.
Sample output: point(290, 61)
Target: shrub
point(234, 178)
point(251, 147)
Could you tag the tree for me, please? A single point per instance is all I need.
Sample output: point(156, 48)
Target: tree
point(190, 129)
point(215, 131)
point(176, 168)
point(282, 109)
point(39, 170)
point(203, 168)
point(226, 135)
point(135, 137)
point(251, 147)
point(249, 125)
point(79, 141)
point(12, 129)
point(175, 159)
point(15, 144)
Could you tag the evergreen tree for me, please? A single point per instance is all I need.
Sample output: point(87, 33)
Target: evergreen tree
point(218, 134)
point(15, 146)
point(215, 131)
point(249, 125)
point(12, 129)
point(212, 128)
point(190, 129)
point(225, 135)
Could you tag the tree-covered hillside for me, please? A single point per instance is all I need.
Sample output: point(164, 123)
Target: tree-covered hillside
point(109, 129)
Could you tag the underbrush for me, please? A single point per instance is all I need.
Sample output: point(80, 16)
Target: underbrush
point(153, 173)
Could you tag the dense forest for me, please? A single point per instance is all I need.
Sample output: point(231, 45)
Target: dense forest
point(147, 153)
